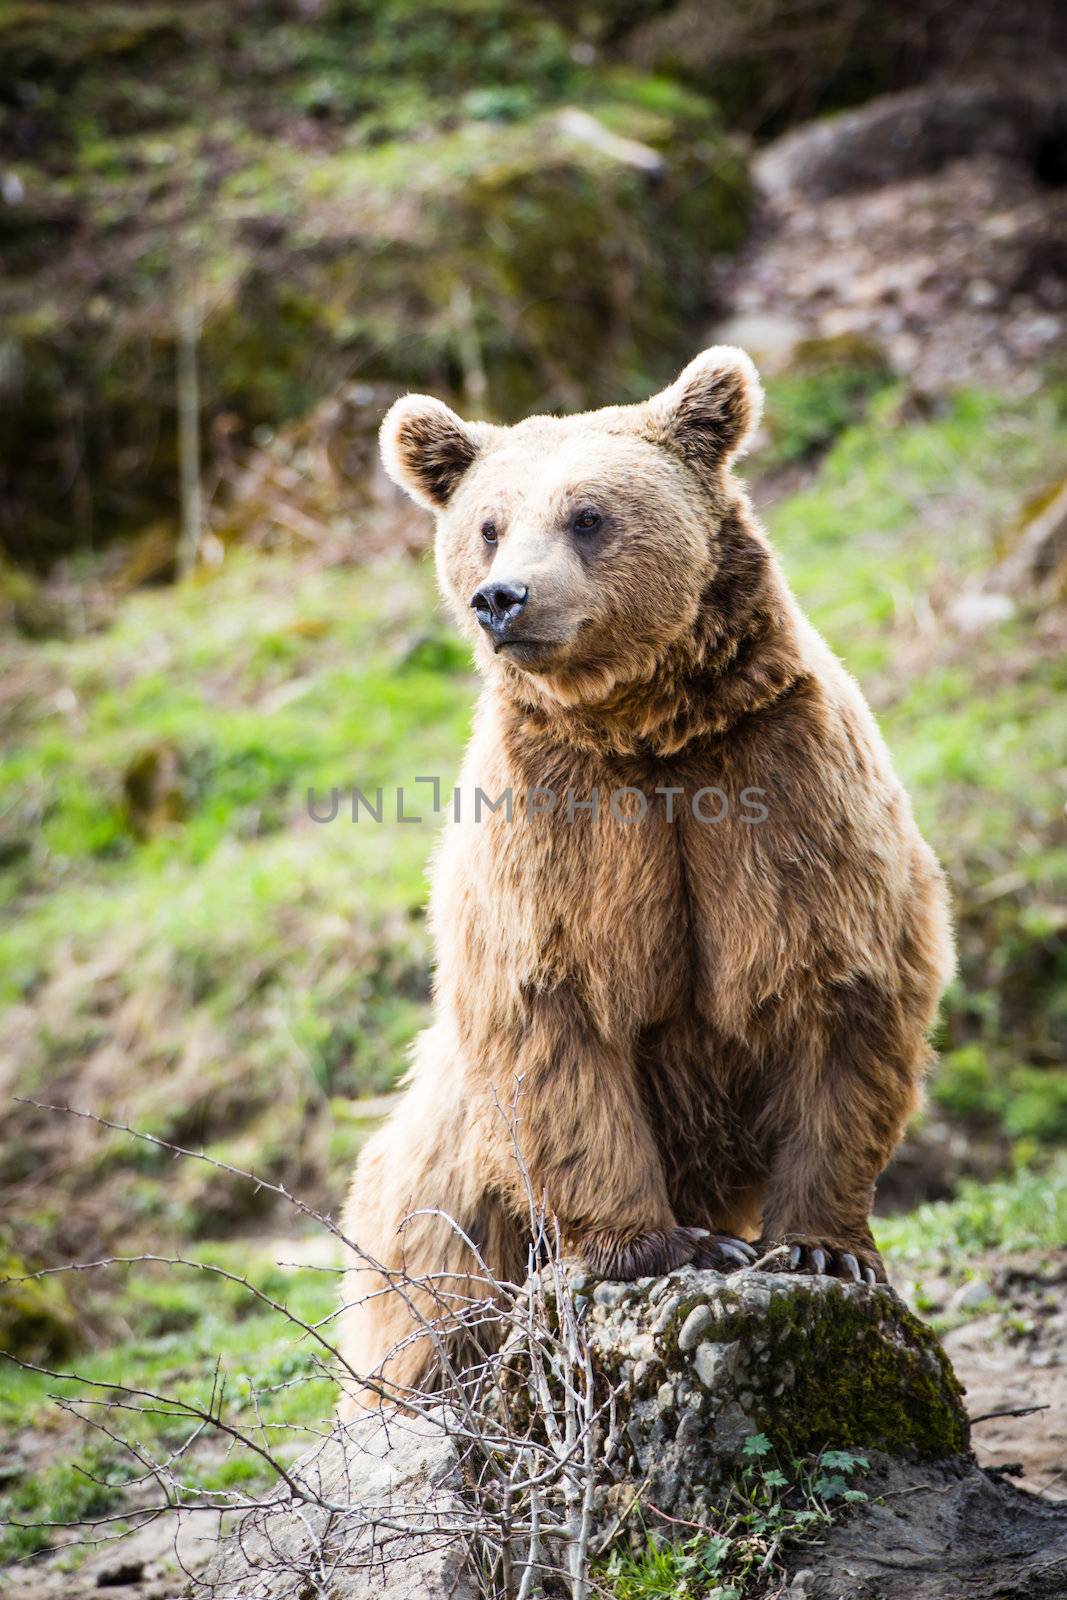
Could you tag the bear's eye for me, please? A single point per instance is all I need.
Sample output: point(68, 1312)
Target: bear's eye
point(489, 533)
point(587, 520)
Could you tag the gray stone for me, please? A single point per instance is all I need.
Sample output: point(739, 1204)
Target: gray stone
point(780, 1353)
point(813, 1362)
point(694, 1328)
point(901, 136)
point(971, 1296)
point(937, 1531)
point(369, 1475)
point(610, 1294)
point(667, 1313)
point(707, 1359)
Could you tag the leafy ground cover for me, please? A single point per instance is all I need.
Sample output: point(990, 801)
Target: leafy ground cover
point(771, 1508)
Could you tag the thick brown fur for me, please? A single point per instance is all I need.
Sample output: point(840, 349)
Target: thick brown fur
point(715, 1026)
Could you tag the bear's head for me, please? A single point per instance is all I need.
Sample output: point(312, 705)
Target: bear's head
point(576, 550)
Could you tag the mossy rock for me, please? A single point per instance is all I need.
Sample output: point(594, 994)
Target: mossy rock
point(812, 1363)
point(827, 386)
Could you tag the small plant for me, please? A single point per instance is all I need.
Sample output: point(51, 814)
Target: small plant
point(769, 1507)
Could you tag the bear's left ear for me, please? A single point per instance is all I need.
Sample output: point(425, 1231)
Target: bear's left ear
point(426, 448)
point(711, 410)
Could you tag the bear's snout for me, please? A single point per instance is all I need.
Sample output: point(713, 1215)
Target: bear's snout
point(498, 605)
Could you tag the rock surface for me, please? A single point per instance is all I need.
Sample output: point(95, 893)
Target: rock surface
point(939, 1532)
point(706, 1361)
point(930, 222)
point(905, 136)
point(395, 1487)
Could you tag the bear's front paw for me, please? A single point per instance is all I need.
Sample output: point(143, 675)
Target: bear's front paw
point(622, 1257)
point(803, 1253)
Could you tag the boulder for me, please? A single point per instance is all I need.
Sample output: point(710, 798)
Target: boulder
point(704, 1362)
point(938, 1531)
point(904, 136)
point(695, 1375)
point(388, 1496)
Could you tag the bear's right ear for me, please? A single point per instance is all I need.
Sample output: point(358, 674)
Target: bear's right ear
point(426, 448)
point(711, 410)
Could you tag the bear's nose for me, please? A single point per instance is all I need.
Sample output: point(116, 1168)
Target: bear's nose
point(496, 605)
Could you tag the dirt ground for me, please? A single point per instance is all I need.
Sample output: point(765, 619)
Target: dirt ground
point(1010, 1355)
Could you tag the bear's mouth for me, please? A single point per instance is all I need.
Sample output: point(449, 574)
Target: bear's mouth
point(525, 650)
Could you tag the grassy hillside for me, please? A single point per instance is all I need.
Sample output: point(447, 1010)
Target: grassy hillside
point(900, 518)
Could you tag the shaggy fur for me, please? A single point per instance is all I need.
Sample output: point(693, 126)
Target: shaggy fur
point(715, 1027)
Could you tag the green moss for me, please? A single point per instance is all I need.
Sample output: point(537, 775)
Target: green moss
point(855, 1372)
point(410, 164)
point(856, 1386)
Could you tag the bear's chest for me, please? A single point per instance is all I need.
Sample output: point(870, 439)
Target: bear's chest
point(572, 890)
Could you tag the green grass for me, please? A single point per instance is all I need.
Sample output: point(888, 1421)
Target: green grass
point(903, 512)
point(179, 1325)
point(259, 968)
point(69, 1492)
point(827, 387)
point(263, 689)
point(901, 508)
point(256, 688)
point(1027, 1210)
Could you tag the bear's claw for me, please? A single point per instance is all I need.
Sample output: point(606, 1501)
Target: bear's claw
point(825, 1260)
point(724, 1253)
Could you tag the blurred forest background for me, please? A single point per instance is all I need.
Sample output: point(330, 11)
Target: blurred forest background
point(230, 234)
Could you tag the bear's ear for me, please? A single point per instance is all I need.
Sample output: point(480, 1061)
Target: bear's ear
point(426, 448)
point(711, 410)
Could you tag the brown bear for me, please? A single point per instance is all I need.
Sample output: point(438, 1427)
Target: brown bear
point(701, 946)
